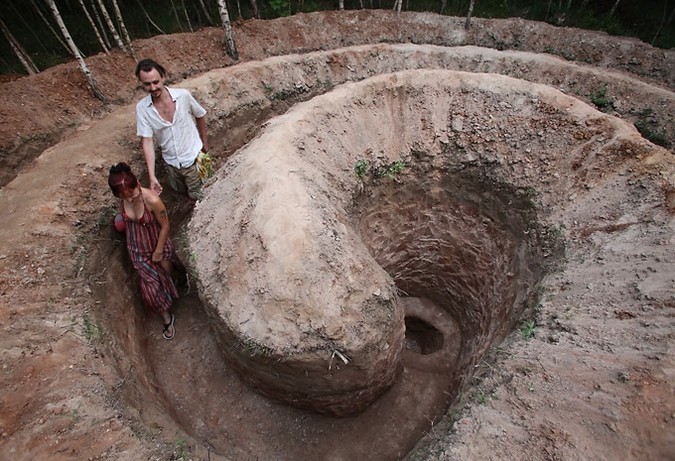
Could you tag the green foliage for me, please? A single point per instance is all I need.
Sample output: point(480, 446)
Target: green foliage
point(383, 170)
point(361, 168)
point(528, 329)
point(280, 8)
point(180, 450)
point(106, 216)
point(651, 130)
point(89, 328)
point(601, 100)
point(392, 170)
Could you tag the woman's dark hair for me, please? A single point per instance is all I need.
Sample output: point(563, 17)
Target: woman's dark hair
point(121, 178)
point(146, 65)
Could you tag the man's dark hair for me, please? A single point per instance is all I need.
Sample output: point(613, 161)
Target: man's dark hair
point(146, 65)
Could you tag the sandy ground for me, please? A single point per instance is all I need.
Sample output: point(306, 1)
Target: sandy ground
point(85, 375)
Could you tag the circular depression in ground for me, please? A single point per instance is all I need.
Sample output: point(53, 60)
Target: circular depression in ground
point(451, 248)
point(353, 202)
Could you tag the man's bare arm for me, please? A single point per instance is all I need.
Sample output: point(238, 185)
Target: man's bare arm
point(148, 147)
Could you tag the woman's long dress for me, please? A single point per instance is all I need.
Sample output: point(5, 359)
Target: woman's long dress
point(158, 289)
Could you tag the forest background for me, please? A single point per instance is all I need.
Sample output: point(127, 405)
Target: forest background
point(30, 24)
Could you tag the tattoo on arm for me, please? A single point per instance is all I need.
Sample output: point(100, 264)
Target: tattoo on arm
point(162, 215)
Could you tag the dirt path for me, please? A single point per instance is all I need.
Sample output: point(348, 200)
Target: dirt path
point(86, 376)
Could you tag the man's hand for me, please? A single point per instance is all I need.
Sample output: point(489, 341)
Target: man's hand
point(155, 186)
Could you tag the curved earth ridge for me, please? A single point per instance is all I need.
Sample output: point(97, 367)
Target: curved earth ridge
point(24, 136)
point(283, 269)
point(52, 222)
point(298, 77)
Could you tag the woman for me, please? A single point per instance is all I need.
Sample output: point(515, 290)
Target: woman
point(151, 251)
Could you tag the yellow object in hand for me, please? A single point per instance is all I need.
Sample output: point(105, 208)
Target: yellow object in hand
point(205, 166)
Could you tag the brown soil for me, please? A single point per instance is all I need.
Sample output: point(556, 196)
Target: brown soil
point(85, 375)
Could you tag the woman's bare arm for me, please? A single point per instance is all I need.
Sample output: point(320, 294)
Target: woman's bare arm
point(158, 209)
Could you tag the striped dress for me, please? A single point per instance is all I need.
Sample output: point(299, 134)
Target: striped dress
point(157, 287)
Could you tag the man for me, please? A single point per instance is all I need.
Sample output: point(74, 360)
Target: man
point(176, 120)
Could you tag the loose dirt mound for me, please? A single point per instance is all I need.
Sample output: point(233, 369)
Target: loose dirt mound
point(85, 375)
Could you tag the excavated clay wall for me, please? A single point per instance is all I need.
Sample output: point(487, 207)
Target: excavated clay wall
point(302, 261)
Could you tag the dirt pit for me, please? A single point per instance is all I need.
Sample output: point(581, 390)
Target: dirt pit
point(463, 250)
point(498, 174)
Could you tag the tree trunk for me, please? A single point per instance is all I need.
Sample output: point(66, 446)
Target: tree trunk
point(147, 16)
point(29, 26)
point(467, 24)
point(24, 57)
point(123, 28)
point(254, 5)
point(209, 20)
point(111, 26)
point(611, 12)
point(83, 65)
point(397, 5)
point(663, 20)
point(49, 26)
point(185, 13)
point(93, 26)
point(173, 6)
point(568, 6)
point(444, 3)
point(230, 46)
point(100, 24)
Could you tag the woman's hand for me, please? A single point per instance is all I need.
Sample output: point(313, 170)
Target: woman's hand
point(157, 256)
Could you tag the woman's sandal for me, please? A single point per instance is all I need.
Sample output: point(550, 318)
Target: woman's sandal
point(169, 325)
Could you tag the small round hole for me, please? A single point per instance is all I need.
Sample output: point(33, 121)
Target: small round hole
point(421, 337)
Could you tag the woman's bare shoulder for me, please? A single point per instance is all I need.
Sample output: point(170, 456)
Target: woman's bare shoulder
point(151, 198)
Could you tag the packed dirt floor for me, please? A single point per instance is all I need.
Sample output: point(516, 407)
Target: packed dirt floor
point(581, 365)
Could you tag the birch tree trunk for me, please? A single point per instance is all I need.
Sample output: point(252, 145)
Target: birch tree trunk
point(209, 20)
point(185, 13)
point(110, 24)
point(123, 28)
point(611, 12)
point(341, 5)
point(568, 6)
point(175, 11)
point(397, 5)
point(663, 20)
point(230, 46)
point(467, 24)
point(24, 57)
point(100, 24)
point(93, 26)
point(147, 16)
point(49, 26)
point(83, 65)
point(254, 5)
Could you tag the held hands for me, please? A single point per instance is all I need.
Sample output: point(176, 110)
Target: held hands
point(155, 186)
